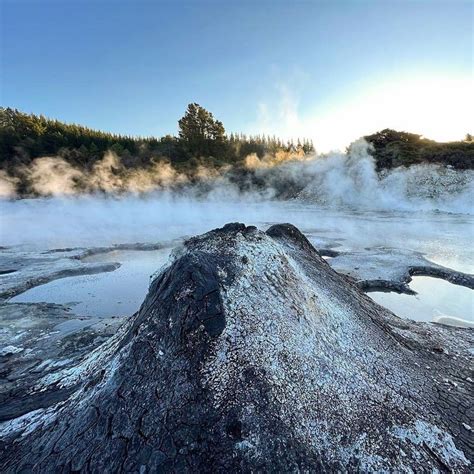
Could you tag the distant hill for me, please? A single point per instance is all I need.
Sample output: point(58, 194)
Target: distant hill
point(392, 149)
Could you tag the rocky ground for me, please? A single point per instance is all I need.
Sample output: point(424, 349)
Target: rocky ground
point(249, 353)
point(37, 339)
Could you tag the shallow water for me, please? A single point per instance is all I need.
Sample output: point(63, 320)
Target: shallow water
point(117, 293)
point(436, 300)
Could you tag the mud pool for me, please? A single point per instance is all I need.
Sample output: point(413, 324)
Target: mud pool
point(376, 247)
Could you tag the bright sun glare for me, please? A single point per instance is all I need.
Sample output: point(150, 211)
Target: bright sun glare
point(439, 108)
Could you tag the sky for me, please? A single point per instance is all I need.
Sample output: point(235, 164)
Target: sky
point(331, 71)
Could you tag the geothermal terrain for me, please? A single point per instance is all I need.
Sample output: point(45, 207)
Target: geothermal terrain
point(343, 343)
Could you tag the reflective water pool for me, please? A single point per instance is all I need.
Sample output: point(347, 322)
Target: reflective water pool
point(437, 300)
point(117, 293)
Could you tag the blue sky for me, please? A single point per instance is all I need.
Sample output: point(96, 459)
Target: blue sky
point(290, 68)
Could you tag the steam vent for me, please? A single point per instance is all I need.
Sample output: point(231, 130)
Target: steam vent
point(250, 354)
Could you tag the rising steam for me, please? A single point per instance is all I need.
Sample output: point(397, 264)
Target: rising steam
point(336, 180)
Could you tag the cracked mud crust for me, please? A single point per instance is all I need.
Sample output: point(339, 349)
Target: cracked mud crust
point(251, 354)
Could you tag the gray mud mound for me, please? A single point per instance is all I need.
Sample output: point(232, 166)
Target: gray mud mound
point(251, 354)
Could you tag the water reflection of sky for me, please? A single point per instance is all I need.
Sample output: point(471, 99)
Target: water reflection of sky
point(117, 293)
point(436, 300)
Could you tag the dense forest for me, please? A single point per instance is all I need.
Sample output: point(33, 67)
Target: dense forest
point(202, 138)
point(202, 147)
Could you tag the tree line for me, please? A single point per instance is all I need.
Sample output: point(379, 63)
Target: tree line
point(24, 137)
point(392, 149)
point(202, 140)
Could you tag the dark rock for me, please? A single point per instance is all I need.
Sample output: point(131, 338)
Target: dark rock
point(272, 362)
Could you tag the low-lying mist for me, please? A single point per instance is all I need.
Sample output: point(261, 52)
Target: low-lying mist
point(113, 204)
